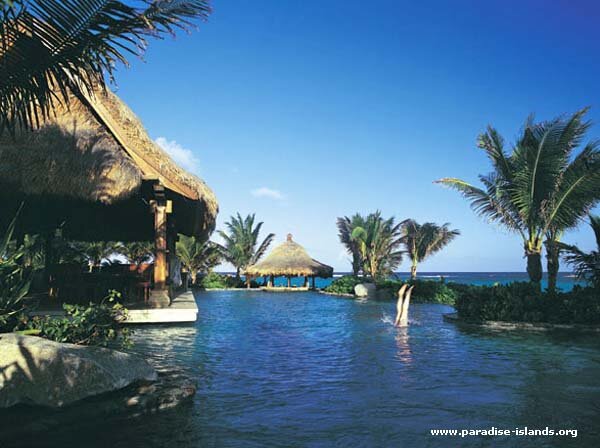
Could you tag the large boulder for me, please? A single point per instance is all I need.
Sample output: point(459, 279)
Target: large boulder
point(37, 371)
point(364, 290)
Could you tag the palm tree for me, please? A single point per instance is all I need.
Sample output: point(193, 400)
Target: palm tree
point(423, 240)
point(137, 252)
point(586, 265)
point(96, 252)
point(378, 242)
point(52, 49)
point(541, 188)
point(197, 256)
point(241, 247)
point(345, 227)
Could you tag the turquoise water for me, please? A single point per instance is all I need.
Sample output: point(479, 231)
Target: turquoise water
point(309, 370)
point(565, 280)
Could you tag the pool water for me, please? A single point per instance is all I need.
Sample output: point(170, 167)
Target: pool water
point(309, 370)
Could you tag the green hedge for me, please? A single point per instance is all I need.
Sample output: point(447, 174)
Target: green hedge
point(426, 291)
point(213, 280)
point(345, 284)
point(523, 302)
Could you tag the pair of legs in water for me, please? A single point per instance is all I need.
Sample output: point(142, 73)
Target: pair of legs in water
point(402, 306)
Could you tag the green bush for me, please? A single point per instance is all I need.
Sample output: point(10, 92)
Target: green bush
point(213, 280)
point(426, 291)
point(14, 280)
point(345, 284)
point(524, 302)
point(94, 324)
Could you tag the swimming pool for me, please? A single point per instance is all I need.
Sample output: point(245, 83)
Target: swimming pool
point(305, 369)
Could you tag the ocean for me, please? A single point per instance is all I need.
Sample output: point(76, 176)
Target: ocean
point(565, 281)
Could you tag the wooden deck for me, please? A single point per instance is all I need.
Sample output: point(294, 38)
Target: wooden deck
point(183, 309)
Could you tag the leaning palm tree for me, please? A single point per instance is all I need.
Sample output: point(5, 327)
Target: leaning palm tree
point(424, 240)
point(542, 187)
point(241, 247)
point(378, 242)
point(346, 226)
point(197, 256)
point(52, 49)
point(586, 264)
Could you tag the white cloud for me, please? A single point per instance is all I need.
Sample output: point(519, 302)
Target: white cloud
point(182, 156)
point(264, 192)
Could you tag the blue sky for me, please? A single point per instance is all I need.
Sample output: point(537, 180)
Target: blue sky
point(303, 111)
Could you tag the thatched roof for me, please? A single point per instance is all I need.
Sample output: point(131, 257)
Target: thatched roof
point(291, 259)
point(95, 163)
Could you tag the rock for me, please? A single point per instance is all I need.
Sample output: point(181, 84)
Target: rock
point(364, 290)
point(38, 371)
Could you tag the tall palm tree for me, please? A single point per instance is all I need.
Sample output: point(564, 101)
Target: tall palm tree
point(542, 187)
point(378, 242)
point(197, 256)
point(345, 227)
point(241, 247)
point(424, 240)
point(586, 265)
point(51, 49)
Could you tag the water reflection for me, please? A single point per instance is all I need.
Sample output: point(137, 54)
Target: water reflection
point(404, 353)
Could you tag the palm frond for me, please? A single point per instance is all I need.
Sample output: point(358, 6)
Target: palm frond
point(49, 49)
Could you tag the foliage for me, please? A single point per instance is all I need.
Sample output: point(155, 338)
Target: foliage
point(426, 291)
point(524, 302)
point(50, 49)
point(541, 187)
point(586, 265)
point(374, 243)
point(424, 240)
point(137, 252)
point(241, 247)
point(94, 253)
point(345, 284)
point(14, 280)
point(345, 227)
point(197, 256)
point(94, 324)
point(213, 280)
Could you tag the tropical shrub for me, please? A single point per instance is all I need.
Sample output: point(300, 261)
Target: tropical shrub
point(213, 280)
point(93, 324)
point(345, 284)
point(586, 265)
point(524, 302)
point(425, 291)
point(14, 280)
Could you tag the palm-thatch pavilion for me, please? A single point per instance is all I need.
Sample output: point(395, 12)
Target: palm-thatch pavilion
point(289, 259)
point(92, 171)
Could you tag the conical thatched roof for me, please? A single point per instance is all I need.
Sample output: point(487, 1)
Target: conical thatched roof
point(91, 167)
point(289, 258)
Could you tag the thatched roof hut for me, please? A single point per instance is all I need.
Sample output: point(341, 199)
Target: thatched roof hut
point(92, 170)
point(289, 259)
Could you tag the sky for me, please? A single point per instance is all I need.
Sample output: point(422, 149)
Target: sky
point(304, 111)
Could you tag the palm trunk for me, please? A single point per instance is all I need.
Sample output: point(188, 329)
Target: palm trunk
point(534, 267)
point(413, 270)
point(552, 263)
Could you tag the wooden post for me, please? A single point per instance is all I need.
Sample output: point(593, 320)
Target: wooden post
point(313, 282)
point(306, 284)
point(159, 298)
point(289, 281)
